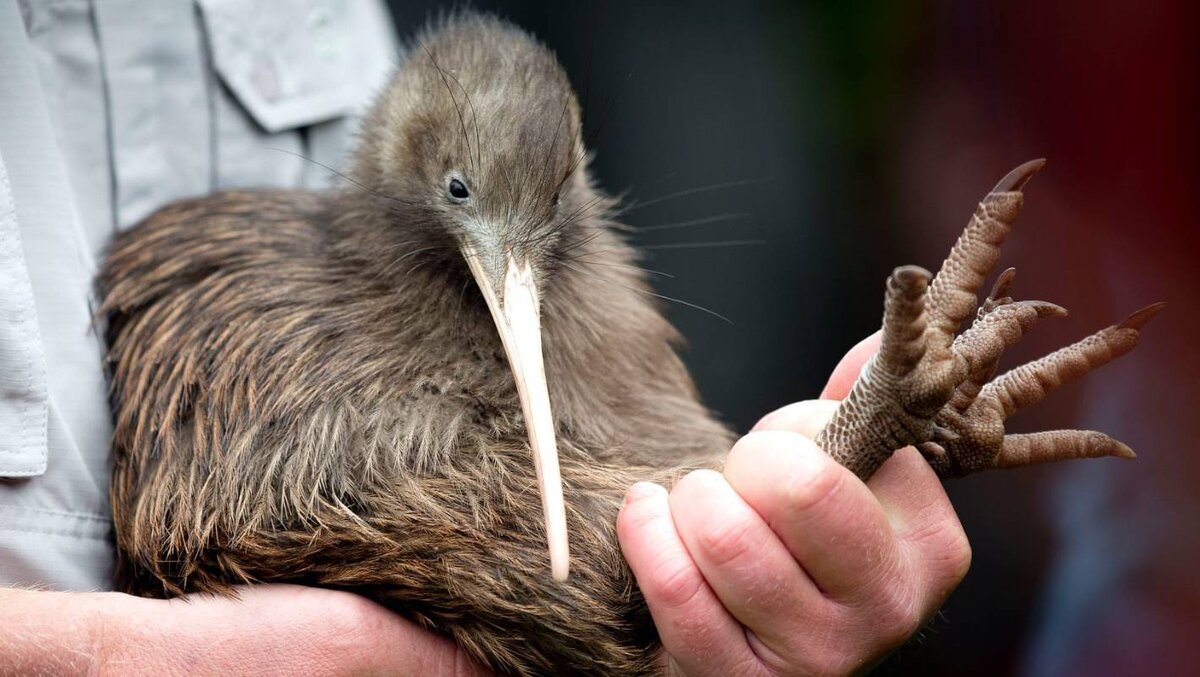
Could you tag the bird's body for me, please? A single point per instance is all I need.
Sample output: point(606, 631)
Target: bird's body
point(313, 421)
point(312, 387)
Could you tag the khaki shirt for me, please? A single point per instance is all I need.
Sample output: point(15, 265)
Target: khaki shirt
point(110, 109)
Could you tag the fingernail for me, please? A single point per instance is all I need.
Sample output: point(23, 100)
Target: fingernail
point(641, 490)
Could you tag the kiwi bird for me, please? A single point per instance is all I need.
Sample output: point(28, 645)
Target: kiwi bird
point(421, 386)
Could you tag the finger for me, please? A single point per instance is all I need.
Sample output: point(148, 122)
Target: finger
point(697, 632)
point(828, 520)
point(846, 372)
point(806, 418)
point(919, 511)
point(404, 648)
point(914, 502)
point(743, 560)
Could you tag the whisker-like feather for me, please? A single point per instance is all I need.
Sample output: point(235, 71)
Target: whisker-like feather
point(474, 117)
point(719, 218)
point(461, 121)
point(342, 176)
point(611, 281)
point(640, 204)
point(705, 245)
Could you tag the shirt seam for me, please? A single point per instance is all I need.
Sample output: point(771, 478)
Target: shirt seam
point(103, 536)
point(4, 507)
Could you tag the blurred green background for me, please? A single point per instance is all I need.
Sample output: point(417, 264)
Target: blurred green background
point(818, 145)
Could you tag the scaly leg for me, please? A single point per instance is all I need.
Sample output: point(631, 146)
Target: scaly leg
point(927, 388)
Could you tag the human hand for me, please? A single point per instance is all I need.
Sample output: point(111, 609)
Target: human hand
point(786, 563)
point(266, 630)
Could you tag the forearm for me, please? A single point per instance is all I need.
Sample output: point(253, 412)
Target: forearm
point(57, 633)
point(266, 630)
point(44, 633)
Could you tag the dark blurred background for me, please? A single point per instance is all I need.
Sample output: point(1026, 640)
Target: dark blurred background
point(782, 158)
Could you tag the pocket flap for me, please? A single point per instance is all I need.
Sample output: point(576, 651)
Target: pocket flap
point(289, 62)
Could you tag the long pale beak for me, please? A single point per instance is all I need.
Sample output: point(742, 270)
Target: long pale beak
point(518, 319)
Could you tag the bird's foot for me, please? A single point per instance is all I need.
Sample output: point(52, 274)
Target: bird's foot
point(930, 388)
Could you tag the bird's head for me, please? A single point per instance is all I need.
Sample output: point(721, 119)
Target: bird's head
point(477, 143)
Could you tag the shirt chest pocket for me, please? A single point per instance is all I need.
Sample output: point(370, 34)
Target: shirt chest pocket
point(290, 63)
point(292, 79)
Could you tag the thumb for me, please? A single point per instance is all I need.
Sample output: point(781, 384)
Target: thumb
point(846, 372)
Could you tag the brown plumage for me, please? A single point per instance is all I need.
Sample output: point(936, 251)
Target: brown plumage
point(309, 387)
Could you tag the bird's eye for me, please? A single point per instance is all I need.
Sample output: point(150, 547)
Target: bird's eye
point(458, 191)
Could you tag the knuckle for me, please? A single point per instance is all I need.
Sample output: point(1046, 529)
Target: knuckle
point(897, 613)
point(724, 543)
point(674, 586)
point(958, 556)
point(945, 549)
point(808, 493)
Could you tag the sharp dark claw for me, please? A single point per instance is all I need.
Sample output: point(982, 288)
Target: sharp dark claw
point(1000, 289)
point(1017, 178)
point(1046, 309)
point(1122, 450)
point(932, 450)
point(941, 434)
point(912, 277)
point(1141, 317)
